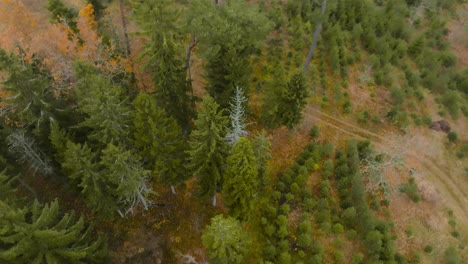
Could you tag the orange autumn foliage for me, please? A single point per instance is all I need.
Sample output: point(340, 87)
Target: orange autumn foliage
point(56, 44)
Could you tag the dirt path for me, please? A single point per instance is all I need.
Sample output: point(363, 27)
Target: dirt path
point(454, 194)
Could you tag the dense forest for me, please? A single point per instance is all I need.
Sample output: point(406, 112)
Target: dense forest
point(233, 131)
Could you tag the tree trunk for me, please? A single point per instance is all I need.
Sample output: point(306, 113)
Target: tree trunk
point(188, 56)
point(317, 31)
point(173, 189)
point(214, 200)
point(124, 25)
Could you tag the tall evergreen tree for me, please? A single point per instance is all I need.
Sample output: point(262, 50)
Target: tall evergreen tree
point(104, 105)
point(285, 102)
point(241, 179)
point(163, 56)
point(159, 140)
point(225, 241)
point(31, 100)
point(208, 149)
point(125, 178)
point(40, 234)
point(262, 147)
point(117, 181)
point(80, 166)
point(228, 34)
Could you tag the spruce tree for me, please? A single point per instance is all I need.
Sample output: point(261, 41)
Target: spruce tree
point(207, 148)
point(124, 178)
point(114, 181)
point(40, 234)
point(262, 148)
point(284, 102)
point(294, 100)
point(225, 241)
point(163, 56)
point(31, 101)
point(241, 179)
point(80, 166)
point(159, 141)
point(104, 105)
point(228, 34)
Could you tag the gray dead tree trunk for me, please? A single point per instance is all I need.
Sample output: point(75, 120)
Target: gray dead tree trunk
point(124, 26)
point(317, 31)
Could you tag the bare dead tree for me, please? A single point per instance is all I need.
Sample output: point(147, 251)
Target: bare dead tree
point(237, 116)
point(366, 75)
point(317, 31)
point(137, 199)
point(27, 152)
point(377, 164)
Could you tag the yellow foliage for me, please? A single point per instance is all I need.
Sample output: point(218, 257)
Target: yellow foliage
point(87, 13)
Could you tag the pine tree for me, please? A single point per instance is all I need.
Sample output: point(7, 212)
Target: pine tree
point(105, 107)
point(208, 148)
point(237, 117)
point(159, 140)
point(225, 241)
point(40, 234)
point(163, 56)
point(241, 179)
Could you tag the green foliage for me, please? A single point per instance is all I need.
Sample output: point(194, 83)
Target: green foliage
point(229, 35)
point(453, 101)
point(41, 234)
point(163, 58)
point(117, 180)
point(411, 189)
point(104, 105)
point(428, 249)
point(28, 84)
point(241, 180)
point(284, 103)
point(7, 191)
point(207, 147)
point(62, 14)
point(314, 131)
point(159, 141)
point(451, 256)
point(452, 136)
point(225, 241)
point(262, 146)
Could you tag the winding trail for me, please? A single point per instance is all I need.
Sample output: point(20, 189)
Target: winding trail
point(453, 194)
